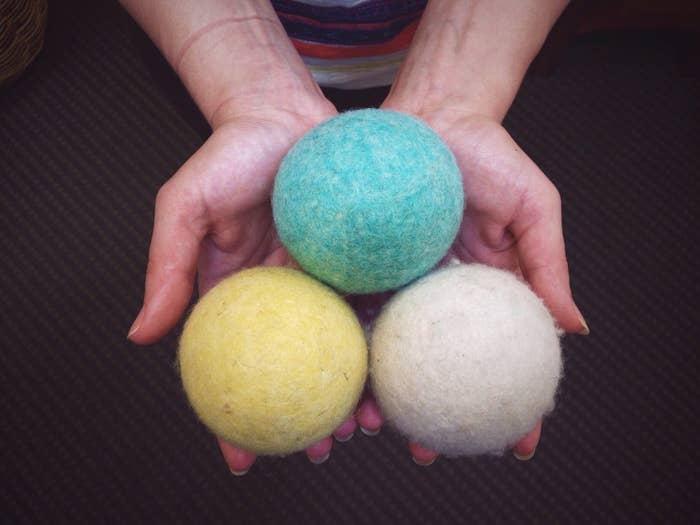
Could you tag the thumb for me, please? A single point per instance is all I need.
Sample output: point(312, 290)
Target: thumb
point(178, 229)
point(542, 257)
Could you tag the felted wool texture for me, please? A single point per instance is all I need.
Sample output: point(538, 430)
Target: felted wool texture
point(272, 360)
point(368, 200)
point(465, 360)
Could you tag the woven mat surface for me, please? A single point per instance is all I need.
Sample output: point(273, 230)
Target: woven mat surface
point(97, 430)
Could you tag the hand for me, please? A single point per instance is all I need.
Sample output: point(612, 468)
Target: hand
point(512, 221)
point(213, 217)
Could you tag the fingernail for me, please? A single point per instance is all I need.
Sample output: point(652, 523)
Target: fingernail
point(368, 432)
point(424, 463)
point(137, 323)
point(238, 473)
point(321, 459)
point(584, 325)
point(345, 438)
point(525, 457)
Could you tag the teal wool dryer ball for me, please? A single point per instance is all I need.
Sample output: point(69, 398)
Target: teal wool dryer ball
point(368, 200)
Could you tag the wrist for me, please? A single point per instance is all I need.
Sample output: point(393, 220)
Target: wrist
point(298, 111)
point(445, 105)
point(233, 57)
point(472, 56)
point(244, 66)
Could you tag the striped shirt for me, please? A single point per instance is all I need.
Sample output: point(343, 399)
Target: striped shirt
point(351, 44)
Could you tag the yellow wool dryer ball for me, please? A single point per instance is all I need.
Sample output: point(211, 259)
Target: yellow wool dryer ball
point(272, 360)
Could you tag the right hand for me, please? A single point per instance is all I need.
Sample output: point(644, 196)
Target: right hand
point(213, 217)
point(512, 221)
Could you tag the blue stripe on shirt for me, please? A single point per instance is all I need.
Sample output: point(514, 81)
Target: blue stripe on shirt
point(344, 36)
point(368, 12)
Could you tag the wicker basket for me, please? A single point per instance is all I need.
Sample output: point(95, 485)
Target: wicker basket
point(22, 25)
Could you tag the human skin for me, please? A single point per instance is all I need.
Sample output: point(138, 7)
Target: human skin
point(213, 217)
point(462, 72)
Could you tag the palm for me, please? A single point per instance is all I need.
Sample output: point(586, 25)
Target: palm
point(497, 178)
point(213, 216)
point(235, 191)
point(513, 213)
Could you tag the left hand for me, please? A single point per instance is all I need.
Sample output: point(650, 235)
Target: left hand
point(512, 221)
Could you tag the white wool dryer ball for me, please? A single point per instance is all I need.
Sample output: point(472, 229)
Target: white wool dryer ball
point(465, 360)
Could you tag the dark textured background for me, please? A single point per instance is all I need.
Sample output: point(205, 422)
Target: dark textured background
point(97, 430)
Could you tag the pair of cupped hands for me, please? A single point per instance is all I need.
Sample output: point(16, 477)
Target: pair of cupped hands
point(213, 217)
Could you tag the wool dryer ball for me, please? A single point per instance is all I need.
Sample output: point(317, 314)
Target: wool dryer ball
point(465, 360)
point(272, 360)
point(368, 200)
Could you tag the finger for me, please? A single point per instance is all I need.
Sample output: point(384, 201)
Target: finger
point(542, 257)
point(178, 229)
point(320, 452)
point(238, 460)
point(422, 456)
point(369, 417)
point(525, 448)
point(346, 429)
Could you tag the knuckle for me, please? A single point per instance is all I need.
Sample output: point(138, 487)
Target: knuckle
point(165, 195)
point(552, 195)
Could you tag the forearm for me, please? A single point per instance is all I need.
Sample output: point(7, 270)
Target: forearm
point(473, 55)
point(228, 54)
